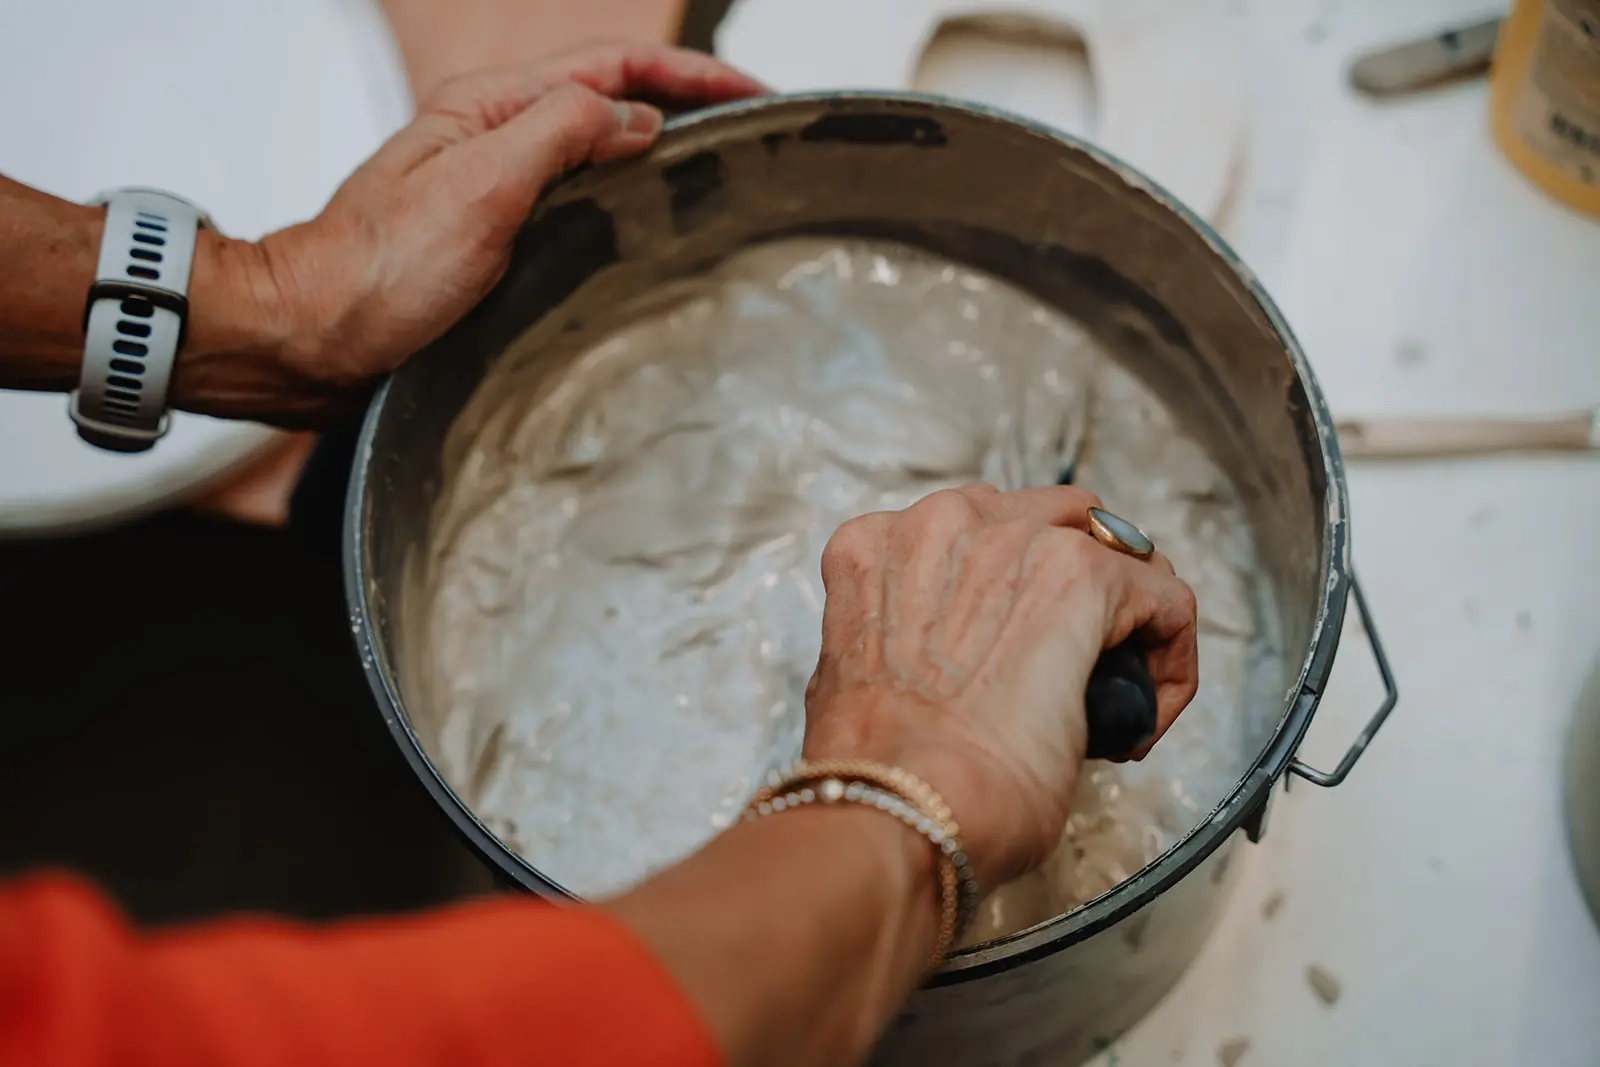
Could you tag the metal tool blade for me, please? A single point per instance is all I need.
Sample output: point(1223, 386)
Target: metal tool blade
point(1404, 68)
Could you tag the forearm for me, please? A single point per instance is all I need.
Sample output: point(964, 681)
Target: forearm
point(51, 247)
point(296, 328)
point(239, 328)
point(507, 983)
point(439, 40)
point(796, 937)
point(791, 940)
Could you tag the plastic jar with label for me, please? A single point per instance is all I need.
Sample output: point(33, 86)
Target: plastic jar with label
point(1546, 97)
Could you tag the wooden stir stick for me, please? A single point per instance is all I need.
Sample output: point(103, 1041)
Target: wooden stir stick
point(1431, 438)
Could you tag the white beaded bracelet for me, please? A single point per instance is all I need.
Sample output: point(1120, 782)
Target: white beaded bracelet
point(805, 785)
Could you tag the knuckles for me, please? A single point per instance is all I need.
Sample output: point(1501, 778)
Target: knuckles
point(1187, 606)
point(947, 511)
point(456, 93)
point(1012, 532)
point(576, 103)
point(579, 117)
point(853, 549)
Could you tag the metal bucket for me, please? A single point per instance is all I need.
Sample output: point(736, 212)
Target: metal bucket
point(1583, 790)
point(1163, 294)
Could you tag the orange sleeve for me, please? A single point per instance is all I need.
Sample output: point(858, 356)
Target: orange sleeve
point(480, 985)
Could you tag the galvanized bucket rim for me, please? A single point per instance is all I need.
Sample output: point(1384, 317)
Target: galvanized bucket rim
point(1244, 801)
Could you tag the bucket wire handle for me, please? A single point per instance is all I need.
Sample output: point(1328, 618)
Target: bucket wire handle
point(1328, 779)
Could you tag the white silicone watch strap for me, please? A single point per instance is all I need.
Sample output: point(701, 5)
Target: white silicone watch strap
point(136, 318)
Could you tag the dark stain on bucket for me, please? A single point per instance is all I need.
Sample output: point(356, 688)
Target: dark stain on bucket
point(876, 129)
point(559, 249)
point(698, 190)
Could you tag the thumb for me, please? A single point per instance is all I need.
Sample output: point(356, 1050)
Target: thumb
point(567, 126)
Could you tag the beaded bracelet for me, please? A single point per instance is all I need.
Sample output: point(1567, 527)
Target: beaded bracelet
point(895, 792)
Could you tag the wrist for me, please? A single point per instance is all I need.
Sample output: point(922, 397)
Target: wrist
point(41, 312)
point(908, 874)
point(246, 341)
point(895, 732)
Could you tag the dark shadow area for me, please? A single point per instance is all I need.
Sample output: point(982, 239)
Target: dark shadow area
point(187, 724)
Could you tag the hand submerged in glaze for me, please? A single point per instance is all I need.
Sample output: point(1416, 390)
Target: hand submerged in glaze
point(957, 638)
point(421, 231)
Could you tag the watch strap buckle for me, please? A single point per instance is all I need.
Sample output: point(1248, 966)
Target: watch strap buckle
point(115, 438)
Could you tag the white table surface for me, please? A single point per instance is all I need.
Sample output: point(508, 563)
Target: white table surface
point(255, 111)
point(1424, 276)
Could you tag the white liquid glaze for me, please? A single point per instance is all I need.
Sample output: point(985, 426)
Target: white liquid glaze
point(623, 592)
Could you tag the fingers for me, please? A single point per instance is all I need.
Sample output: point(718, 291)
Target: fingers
point(1051, 505)
point(1149, 600)
point(473, 104)
point(1071, 576)
point(657, 71)
point(933, 571)
point(1146, 596)
point(566, 127)
point(852, 581)
point(491, 98)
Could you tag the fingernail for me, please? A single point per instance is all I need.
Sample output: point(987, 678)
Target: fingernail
point(636, 118)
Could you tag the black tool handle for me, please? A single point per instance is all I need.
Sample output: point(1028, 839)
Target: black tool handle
point(1120, 702)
